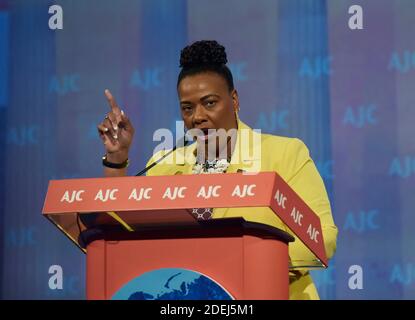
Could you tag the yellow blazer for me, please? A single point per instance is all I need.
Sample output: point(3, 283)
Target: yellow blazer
point(290, 158)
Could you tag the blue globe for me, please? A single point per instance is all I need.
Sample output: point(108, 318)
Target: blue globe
point(172, 284)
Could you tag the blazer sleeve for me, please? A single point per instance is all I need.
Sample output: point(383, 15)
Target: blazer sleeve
point(302, 175)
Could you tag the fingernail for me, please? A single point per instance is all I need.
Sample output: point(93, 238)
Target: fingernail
point(115, 136)
point(106, 129)
point(115, 127)
point(122, 112)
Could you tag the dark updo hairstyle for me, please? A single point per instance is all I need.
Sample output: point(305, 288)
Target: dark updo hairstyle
point(205, 56)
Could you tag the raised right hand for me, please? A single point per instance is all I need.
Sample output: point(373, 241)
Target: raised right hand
point(116, 132)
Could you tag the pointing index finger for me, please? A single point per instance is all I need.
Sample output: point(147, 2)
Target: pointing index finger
point(113, 104)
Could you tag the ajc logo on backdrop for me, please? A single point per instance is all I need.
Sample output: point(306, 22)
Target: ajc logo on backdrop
point(146, 78)
point(361, 221)
point(403, 274)
point(316, 67)
point(23, 135)
point(62, 85)
point(273, 121)
point(402, 62)
point(402, 167)
point(20, 237)
point(360, 116)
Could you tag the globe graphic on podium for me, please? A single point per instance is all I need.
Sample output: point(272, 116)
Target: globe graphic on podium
point(172, 284)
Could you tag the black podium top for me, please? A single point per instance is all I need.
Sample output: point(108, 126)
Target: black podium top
point(225, 227)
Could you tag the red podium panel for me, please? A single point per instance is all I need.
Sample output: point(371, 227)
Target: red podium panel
point(249, 260)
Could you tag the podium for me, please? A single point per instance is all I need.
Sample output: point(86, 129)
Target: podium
point(135, 228)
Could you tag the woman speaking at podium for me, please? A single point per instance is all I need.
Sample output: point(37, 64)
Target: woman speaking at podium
point(209, 105)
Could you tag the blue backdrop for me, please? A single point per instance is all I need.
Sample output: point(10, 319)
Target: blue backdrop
point(300, 71)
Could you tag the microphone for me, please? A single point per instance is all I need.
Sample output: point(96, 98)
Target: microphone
point(182, 141)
